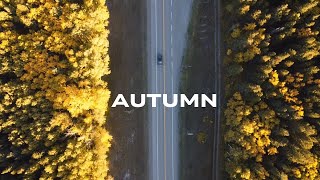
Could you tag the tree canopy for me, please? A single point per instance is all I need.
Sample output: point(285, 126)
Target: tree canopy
point(53, 102)
point(272, 116)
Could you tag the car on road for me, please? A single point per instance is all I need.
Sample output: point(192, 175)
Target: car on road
point(159, 59)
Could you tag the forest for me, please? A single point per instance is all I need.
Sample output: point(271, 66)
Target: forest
point(53, 99)
point(272, 110)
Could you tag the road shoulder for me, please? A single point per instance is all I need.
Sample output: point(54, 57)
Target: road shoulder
point(196, 124)
point(128, 125)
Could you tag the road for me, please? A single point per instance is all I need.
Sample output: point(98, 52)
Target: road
point(167, 26)
point(216, 165)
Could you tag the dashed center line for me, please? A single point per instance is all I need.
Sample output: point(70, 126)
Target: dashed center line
point(171, 45)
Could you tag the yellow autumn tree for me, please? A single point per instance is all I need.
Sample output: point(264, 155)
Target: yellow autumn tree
point(53, 101)
point(272, 120)
point(248, 131)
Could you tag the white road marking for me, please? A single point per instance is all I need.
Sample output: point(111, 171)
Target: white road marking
point(171, 55)
point(164, 87)
point(156, 23)
point(171, 43)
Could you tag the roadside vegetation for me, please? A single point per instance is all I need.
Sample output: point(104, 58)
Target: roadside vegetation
point(128, 126)
point(196, 124)
point(273, 90)
point(53, 101)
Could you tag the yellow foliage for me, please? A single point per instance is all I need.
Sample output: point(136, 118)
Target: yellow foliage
point(201, 137)
point(244, 9)
point(248, 127)
point(4, 16)
point(296, 172)
point(250, 26)
point(270, 127)
point(274, 78)
point(249, 131)
point(57, 100)
point(272, 151)
point(246, 174)
point(236, 33)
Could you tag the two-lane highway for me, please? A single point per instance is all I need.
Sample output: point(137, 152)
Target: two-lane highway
point(167, 26)
point(159, 77)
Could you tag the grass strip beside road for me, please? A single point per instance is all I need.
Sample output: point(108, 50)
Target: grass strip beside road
point(183, 86)
point(197, 77)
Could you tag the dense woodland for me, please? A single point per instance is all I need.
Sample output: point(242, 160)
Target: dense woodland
point(53, 101)
point(273, 105)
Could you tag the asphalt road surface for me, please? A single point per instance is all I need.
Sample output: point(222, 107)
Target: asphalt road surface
point(167, 26)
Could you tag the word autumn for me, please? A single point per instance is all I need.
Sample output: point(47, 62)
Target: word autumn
point(175, 99)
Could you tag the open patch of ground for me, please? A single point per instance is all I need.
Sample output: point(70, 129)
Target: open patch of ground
point(127, 157)
point(198, 77)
